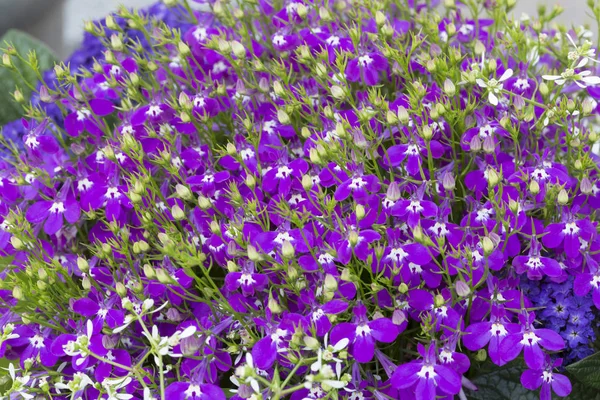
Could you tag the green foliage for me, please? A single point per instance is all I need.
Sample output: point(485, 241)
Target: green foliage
point(587, 371)
point(28, 57)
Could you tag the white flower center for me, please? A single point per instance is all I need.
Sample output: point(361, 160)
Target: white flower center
point(57, 207)
point(427, 372)
point(529, 339)
point(363, 330)
point(357, 183)
point(283, 172)
point(571, 229)
point(533, 263)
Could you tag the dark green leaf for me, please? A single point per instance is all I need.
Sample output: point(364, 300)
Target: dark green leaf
point(587, 371)
point(501, 383)
point(10, 80)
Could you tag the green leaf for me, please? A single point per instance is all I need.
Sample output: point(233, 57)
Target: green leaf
point(587, 371)
point(10, 80)
point(501, 383)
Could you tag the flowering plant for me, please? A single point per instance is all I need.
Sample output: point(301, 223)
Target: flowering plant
point(305, 200)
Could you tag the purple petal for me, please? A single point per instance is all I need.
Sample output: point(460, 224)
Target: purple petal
point(561, 385)
point(448, 380)
point(86, 307)
point(550, 340)
point(531, 379)
point(364, 348)
point(264, 353)
point(405, 375)
point(383, 330)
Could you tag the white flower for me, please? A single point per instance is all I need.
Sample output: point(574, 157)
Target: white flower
point(494, 86)
point(582, 79)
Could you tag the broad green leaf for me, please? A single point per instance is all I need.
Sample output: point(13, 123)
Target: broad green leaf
point(587, 371)
point(501, 383)
point(10, 80)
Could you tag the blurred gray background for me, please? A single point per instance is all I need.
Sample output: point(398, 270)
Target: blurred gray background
point(59, 23)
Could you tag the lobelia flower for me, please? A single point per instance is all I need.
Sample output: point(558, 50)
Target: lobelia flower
point(494, 86)
point(366, 68)
point(363, 334)
point(426, 378)
point(534, 264)
point(194, 391)
point(53, 212)
point(531, 341)
point(550, 381)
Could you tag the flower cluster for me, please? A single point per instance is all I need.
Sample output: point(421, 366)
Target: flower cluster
point(302, 200)
point(566, 313)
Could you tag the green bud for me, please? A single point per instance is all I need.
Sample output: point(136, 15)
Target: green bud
point(439, 300)
point(391, 118)
point(283, 117)
point(7, 61)
point(563, 197)
point(462, 289)
point(149, 272)
point(487, 245)
point(287, 250)
point(204, 203)
point(449, 88)
point(17, 293)
point(403, 288)
point(330, 283)
point(325, 15)
point(274, 306)
point(534, 187)
point(403, 116)
point(360, 212)
point(183, 192)
point(337, 92)
point(353, 238)
point(544, 89)
point(121, 289)
point(116, 43)
point(16, 243)
point(481, 355)
point(493, 177)
point(380, 18)
point(253, 255)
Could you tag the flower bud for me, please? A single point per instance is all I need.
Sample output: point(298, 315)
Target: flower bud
point(253, 255)
point(116, 43)
point(162, 276)
point(274, 306)
point(544, 89)
point(307, 182)
point(287, 249)
point(487, 245)
point(301, 10)
point(449, 88)
point(17, 293)
point(475, 144)
point(177, 213)
point(534, 187)
point(86, 284)
point(353, 238)
point(215, 228)
point(7, 61)
point(183, 192)
point(398, 316)
point(418, 233)
point(493, 177)
point(393, 192)
point(311, 343)
point(360, 212)
point(563, 197)
point(481, 355)
point(238, 49)
point(403, 116)
point(149, 272)
point(403, 288)
point(587, 106)
point(325, 15)
point(448, 181)
point(578, 165)
point(439, 300)
point(16, 243)
point(586, 186)
point(204, 203)
point(489, 146)
point(427, 132)
point(391, 118)
point(330, 283)
point(451, 29)
point(337, 92)
point(314, 156)
point(283, 117)
point(250, 181)
point(462, 289)
point(121, 289)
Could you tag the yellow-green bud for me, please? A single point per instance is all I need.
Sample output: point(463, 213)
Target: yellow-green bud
point(183, 191)
point(330, 283)
point(403, 116)
point(253, 254)
point(204, 203)
point(403, 288)
point(307, 182)
point(116, 43)
point(360, 212)
point(17, 293)
point(283, 117)
point(16, 242)
point(337, 92)
point(563, 197)
point(534, 187)
point(177, 213)
point(391, 118)
point(238, 49)
point(149, 272)
point(487, 245)
point(449, 88)
point(353, 238)
point(439, 300)
point(287, 249)
point(121, 289)
point(250, 181)
point(162, 276)
point(493, 177)
point(274, 305)
point(325, 15)
point(462, 289)
point(215, 228)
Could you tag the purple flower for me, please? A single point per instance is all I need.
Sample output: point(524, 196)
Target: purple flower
point(82, 119)
point(53, 212)
point(535, 265)
point(194, 391)
point(366, 67)
point(426, 377)
point(363, 334)
point(531, 341)
point(549, 381)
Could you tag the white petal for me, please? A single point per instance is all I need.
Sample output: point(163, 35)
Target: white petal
point(570, 39)
point(89, 328)
point(481, 83)
point(591, 80)
point(581, 85)
point(254, 386)
point(493, 99)
point(582, 63)
point(507, 74)
point(334, 384)
point(341, 344)
point(584, 73)
point(187, 332)
point(560, 81)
